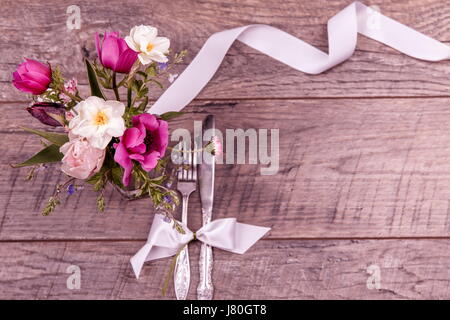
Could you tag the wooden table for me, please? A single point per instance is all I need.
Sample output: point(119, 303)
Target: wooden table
point(363, 190)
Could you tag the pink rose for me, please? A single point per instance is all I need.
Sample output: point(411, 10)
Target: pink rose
point(114, 52)
point(80, 159)
point(32, 77)
point(145, 143)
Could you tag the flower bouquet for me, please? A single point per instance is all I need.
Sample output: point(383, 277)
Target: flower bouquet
point(105, 140)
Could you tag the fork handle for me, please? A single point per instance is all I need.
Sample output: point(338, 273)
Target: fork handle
point(205, 287)
point(182, 275)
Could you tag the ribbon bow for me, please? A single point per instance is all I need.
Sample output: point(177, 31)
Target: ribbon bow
point(165, 241)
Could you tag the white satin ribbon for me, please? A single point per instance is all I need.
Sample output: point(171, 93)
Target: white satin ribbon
point(165, 241)
point(342, 37)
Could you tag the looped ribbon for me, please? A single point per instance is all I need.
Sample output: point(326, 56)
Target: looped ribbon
point(164, 240)
point(343, 31)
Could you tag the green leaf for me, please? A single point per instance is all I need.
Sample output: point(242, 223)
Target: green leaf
point(143, 92)
point(143, 105)
point(95, 177)
point(116, 176)
point(143, 74)
point(56, 138)
point(159, 84)
point(101, 203)
point(93, 82)
point(151, 71)
point(46, 155)
point(170, 115)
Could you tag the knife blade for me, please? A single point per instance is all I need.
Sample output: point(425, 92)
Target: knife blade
point(206, 171)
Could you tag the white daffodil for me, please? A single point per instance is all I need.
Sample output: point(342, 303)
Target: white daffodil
point(98, 121)
point(145, 40)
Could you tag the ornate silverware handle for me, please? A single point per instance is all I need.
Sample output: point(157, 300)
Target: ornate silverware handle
point(182, 274)
point(205, 287)
point(206, 178)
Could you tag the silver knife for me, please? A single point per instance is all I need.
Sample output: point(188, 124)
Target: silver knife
point(206, 181)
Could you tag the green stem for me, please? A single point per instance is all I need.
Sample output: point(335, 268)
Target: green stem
point(114, 84)
point(129, 92)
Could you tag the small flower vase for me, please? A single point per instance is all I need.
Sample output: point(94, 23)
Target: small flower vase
point(133, 190)
point(130, 193)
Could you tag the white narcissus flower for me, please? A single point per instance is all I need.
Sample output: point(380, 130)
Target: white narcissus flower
point(145, 40)
point(98, 121)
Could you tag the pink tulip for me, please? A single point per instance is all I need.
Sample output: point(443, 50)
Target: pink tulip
point(145, 142)
point(32, 77)
point(114, 52)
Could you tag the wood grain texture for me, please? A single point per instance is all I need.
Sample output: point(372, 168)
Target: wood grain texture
point(364, 160)
point(348, 168)
point(374, 70)
point(308, 269)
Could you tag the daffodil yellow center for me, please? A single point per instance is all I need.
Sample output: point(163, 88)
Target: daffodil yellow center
point(100, 119)
point(150, 47)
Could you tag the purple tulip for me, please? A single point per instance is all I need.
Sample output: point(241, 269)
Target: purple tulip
point(32, 76)
point(114, 52)
point(48, 113)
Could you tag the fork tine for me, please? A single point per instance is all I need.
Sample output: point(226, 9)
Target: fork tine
point(179, 147)
point(190, 175)
point(194, 163)
point(186, 161)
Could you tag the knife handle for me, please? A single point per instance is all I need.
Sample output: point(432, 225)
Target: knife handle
point(205, 287)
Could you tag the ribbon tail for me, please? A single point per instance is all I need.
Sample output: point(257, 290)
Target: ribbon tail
point(150, 252)
point(163, 241)
point(343, 29)
point(137, 261)
point(246, 236)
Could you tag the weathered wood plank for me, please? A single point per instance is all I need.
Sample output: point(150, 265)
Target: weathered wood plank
point(311, 269)
point(374, 70)
point(348, 168)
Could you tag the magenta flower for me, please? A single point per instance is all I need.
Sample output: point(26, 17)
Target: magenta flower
point(114, 52)
point(145, 143)
point(32, 77)
point(49, 113)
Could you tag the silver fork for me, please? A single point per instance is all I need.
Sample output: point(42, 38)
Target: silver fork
point(187, 181)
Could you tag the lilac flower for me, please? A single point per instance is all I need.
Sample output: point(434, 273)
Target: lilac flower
point(162, 65)
point(167, 199)
point(71, 189)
